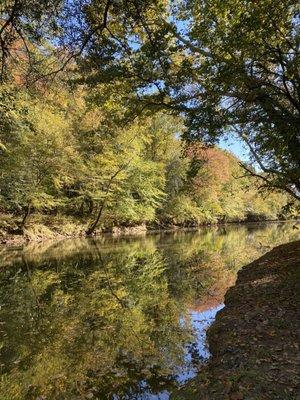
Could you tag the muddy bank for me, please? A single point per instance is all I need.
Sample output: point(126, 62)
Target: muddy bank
point(254, 340)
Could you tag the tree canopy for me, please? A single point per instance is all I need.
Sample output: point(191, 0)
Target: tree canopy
point(229, 67)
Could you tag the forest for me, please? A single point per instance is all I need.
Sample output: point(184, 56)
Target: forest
point(103, 124)
point(63, 155)
point(149, 199)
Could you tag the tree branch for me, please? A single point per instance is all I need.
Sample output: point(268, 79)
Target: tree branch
point(85, 42)
point(269, 183)
point(185, 41)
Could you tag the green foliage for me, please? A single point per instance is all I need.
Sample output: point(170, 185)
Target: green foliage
point(231, 67)
point(80, 151)
point(38, 152)
point(64, 154)
point(227, 67)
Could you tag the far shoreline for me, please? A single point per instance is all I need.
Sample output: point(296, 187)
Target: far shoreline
point(17, 240)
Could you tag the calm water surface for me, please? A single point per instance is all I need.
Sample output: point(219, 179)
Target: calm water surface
point(119, 318)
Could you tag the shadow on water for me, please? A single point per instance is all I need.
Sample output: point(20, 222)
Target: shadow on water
point(118, 318)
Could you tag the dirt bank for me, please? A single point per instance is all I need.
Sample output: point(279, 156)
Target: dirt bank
point(254, 340)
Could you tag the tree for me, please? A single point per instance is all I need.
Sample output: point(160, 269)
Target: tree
point(25, 24)
point(230, 67)
point(57, 28)
point(38, 155)
point(93, 144)
point(122, 168)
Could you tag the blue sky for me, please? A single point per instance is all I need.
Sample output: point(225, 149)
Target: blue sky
point(236, 147)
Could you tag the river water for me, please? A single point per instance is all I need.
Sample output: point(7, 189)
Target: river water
point(117, 318)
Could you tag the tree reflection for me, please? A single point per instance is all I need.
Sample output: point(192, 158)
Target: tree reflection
point(97, 318)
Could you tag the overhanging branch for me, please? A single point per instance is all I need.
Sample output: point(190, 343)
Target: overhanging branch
point(270, 183)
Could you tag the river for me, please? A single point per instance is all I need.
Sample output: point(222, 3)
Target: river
point(117, 318)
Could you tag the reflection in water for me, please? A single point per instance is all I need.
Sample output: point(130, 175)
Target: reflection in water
point(200, 323)
point(116, 318)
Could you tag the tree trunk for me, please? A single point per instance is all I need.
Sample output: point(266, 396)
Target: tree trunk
point(26, 215)
point(92, 228)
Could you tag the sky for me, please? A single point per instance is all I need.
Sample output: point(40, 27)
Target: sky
point(236, 147)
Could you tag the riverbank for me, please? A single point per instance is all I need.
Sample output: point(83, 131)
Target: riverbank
point(48, 227)
point(253, 341)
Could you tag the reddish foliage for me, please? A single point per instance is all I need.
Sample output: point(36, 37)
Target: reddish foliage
point(216, 162)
